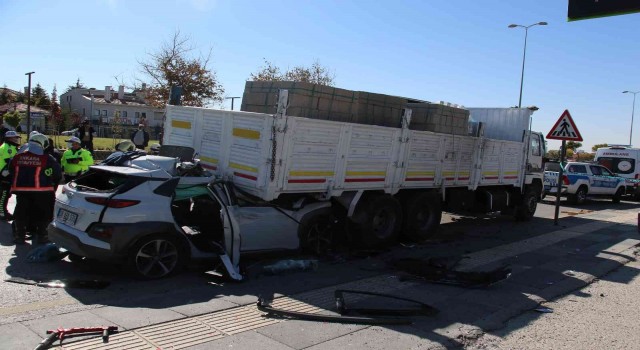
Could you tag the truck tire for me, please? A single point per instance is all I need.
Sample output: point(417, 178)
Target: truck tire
point(527, 207)
point(422, 215)
point(378, 220)
point(616, 197)
point(580, 196)
point(316, 231)
point(156, 256)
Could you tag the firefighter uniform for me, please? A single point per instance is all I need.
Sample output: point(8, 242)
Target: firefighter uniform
point(7, 151)
point(33, 175)
point(75, 160)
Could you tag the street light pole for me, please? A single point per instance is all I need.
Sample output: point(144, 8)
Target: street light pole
point(524, 54)
point(633, 109)
point(232, 99)
point(29, 104)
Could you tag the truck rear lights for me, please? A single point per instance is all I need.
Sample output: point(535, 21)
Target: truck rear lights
point(565, 180)
point(112, 203)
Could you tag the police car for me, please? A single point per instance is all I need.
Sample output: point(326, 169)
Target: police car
point(582, 180)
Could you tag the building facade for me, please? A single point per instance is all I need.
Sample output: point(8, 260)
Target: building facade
point(108, 107)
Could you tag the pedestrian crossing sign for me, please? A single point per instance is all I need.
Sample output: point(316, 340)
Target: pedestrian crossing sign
point(565, 129)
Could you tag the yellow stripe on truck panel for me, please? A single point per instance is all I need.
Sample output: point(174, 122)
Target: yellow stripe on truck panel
point(310, 173)
point(243, 167)
point(246, 133)
point(181, 124)
point(489, 173)
point(416, 173)
point(366, 173)
point(209, 160)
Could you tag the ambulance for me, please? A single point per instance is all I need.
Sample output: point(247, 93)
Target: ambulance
point(625, 162)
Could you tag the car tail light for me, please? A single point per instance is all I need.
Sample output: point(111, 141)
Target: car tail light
point(112, 203)
point(565, 180)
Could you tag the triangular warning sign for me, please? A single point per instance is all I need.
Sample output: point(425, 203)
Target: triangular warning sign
point(565, 129)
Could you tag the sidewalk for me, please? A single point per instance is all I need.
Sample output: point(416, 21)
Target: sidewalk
point(544, 267)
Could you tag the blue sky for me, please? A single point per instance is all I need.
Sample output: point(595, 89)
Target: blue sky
point(438, 50)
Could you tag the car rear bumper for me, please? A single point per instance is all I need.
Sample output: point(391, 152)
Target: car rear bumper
point(74, 244)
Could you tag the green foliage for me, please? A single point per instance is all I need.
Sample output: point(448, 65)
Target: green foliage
point(4, 96)
point(13, 118)
point(573, 145)
point(78, 85)
point(600, 145)
point(55, 118)
point(315, 74)
point(553, 154)
point(40, 98)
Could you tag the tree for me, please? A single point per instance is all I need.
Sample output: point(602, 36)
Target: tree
point(55, 118)
point(13, 118)
point(78, 85)
point(39, 97)
point(573, 145)
point(173, 64)
point(600, 145)
point(315, 74)
point(5, 97)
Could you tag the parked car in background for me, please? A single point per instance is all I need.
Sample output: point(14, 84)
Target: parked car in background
point(581, 180)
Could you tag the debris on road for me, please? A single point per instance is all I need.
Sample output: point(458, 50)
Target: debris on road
point(61, 333)
point(85, 284)
point(369, 316)
point(544, 310)
point(46, 253)
point(290, 265)
point(441, 270)
point(422, 309)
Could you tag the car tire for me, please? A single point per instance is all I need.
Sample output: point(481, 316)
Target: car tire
point(316, 231)
point(422, 215)
point(378, 220)
point(528, 205)
point(580, 196)
point(156, 256)
point(619, 193)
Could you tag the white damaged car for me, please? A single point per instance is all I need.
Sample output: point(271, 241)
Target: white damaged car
point(153, 214)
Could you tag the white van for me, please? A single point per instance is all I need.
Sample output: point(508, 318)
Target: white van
point(625, 162)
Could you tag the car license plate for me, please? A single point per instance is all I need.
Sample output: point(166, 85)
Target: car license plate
point(67, 217)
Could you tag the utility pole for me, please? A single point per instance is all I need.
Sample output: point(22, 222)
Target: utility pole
point(29, 104)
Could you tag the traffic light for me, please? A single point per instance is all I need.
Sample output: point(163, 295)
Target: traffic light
point(586, 9)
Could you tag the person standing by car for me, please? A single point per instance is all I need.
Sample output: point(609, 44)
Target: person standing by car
point(3, 130)
point(7, 151)
point(85, 134)
point(75, 160)
point(140, 137)
point(33, 175)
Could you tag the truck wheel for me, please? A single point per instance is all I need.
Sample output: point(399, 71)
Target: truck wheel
point(618, 195)
point(422, 215)
point(316, 231)
point(527, 208)
point(156, 256)
point(379, 219)
point(580, 196)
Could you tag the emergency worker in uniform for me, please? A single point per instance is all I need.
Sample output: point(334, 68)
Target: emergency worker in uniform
point(33, 175)
point(7, 151)
point(75, 160)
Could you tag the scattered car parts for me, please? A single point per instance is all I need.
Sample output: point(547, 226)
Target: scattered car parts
point(442, 271)
point(422, 309)
point(61, 333)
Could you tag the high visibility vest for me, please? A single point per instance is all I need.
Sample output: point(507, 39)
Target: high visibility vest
point(84, 157)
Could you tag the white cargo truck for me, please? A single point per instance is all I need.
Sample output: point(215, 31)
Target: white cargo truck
point(384, 181)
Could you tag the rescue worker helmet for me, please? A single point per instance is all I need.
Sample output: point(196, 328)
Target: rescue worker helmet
point(40, 139)
point(125, 146)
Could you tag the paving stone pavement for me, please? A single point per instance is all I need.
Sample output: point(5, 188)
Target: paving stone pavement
point(544, 267)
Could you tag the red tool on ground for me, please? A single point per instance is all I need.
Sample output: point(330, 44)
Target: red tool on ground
point(61, 333)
